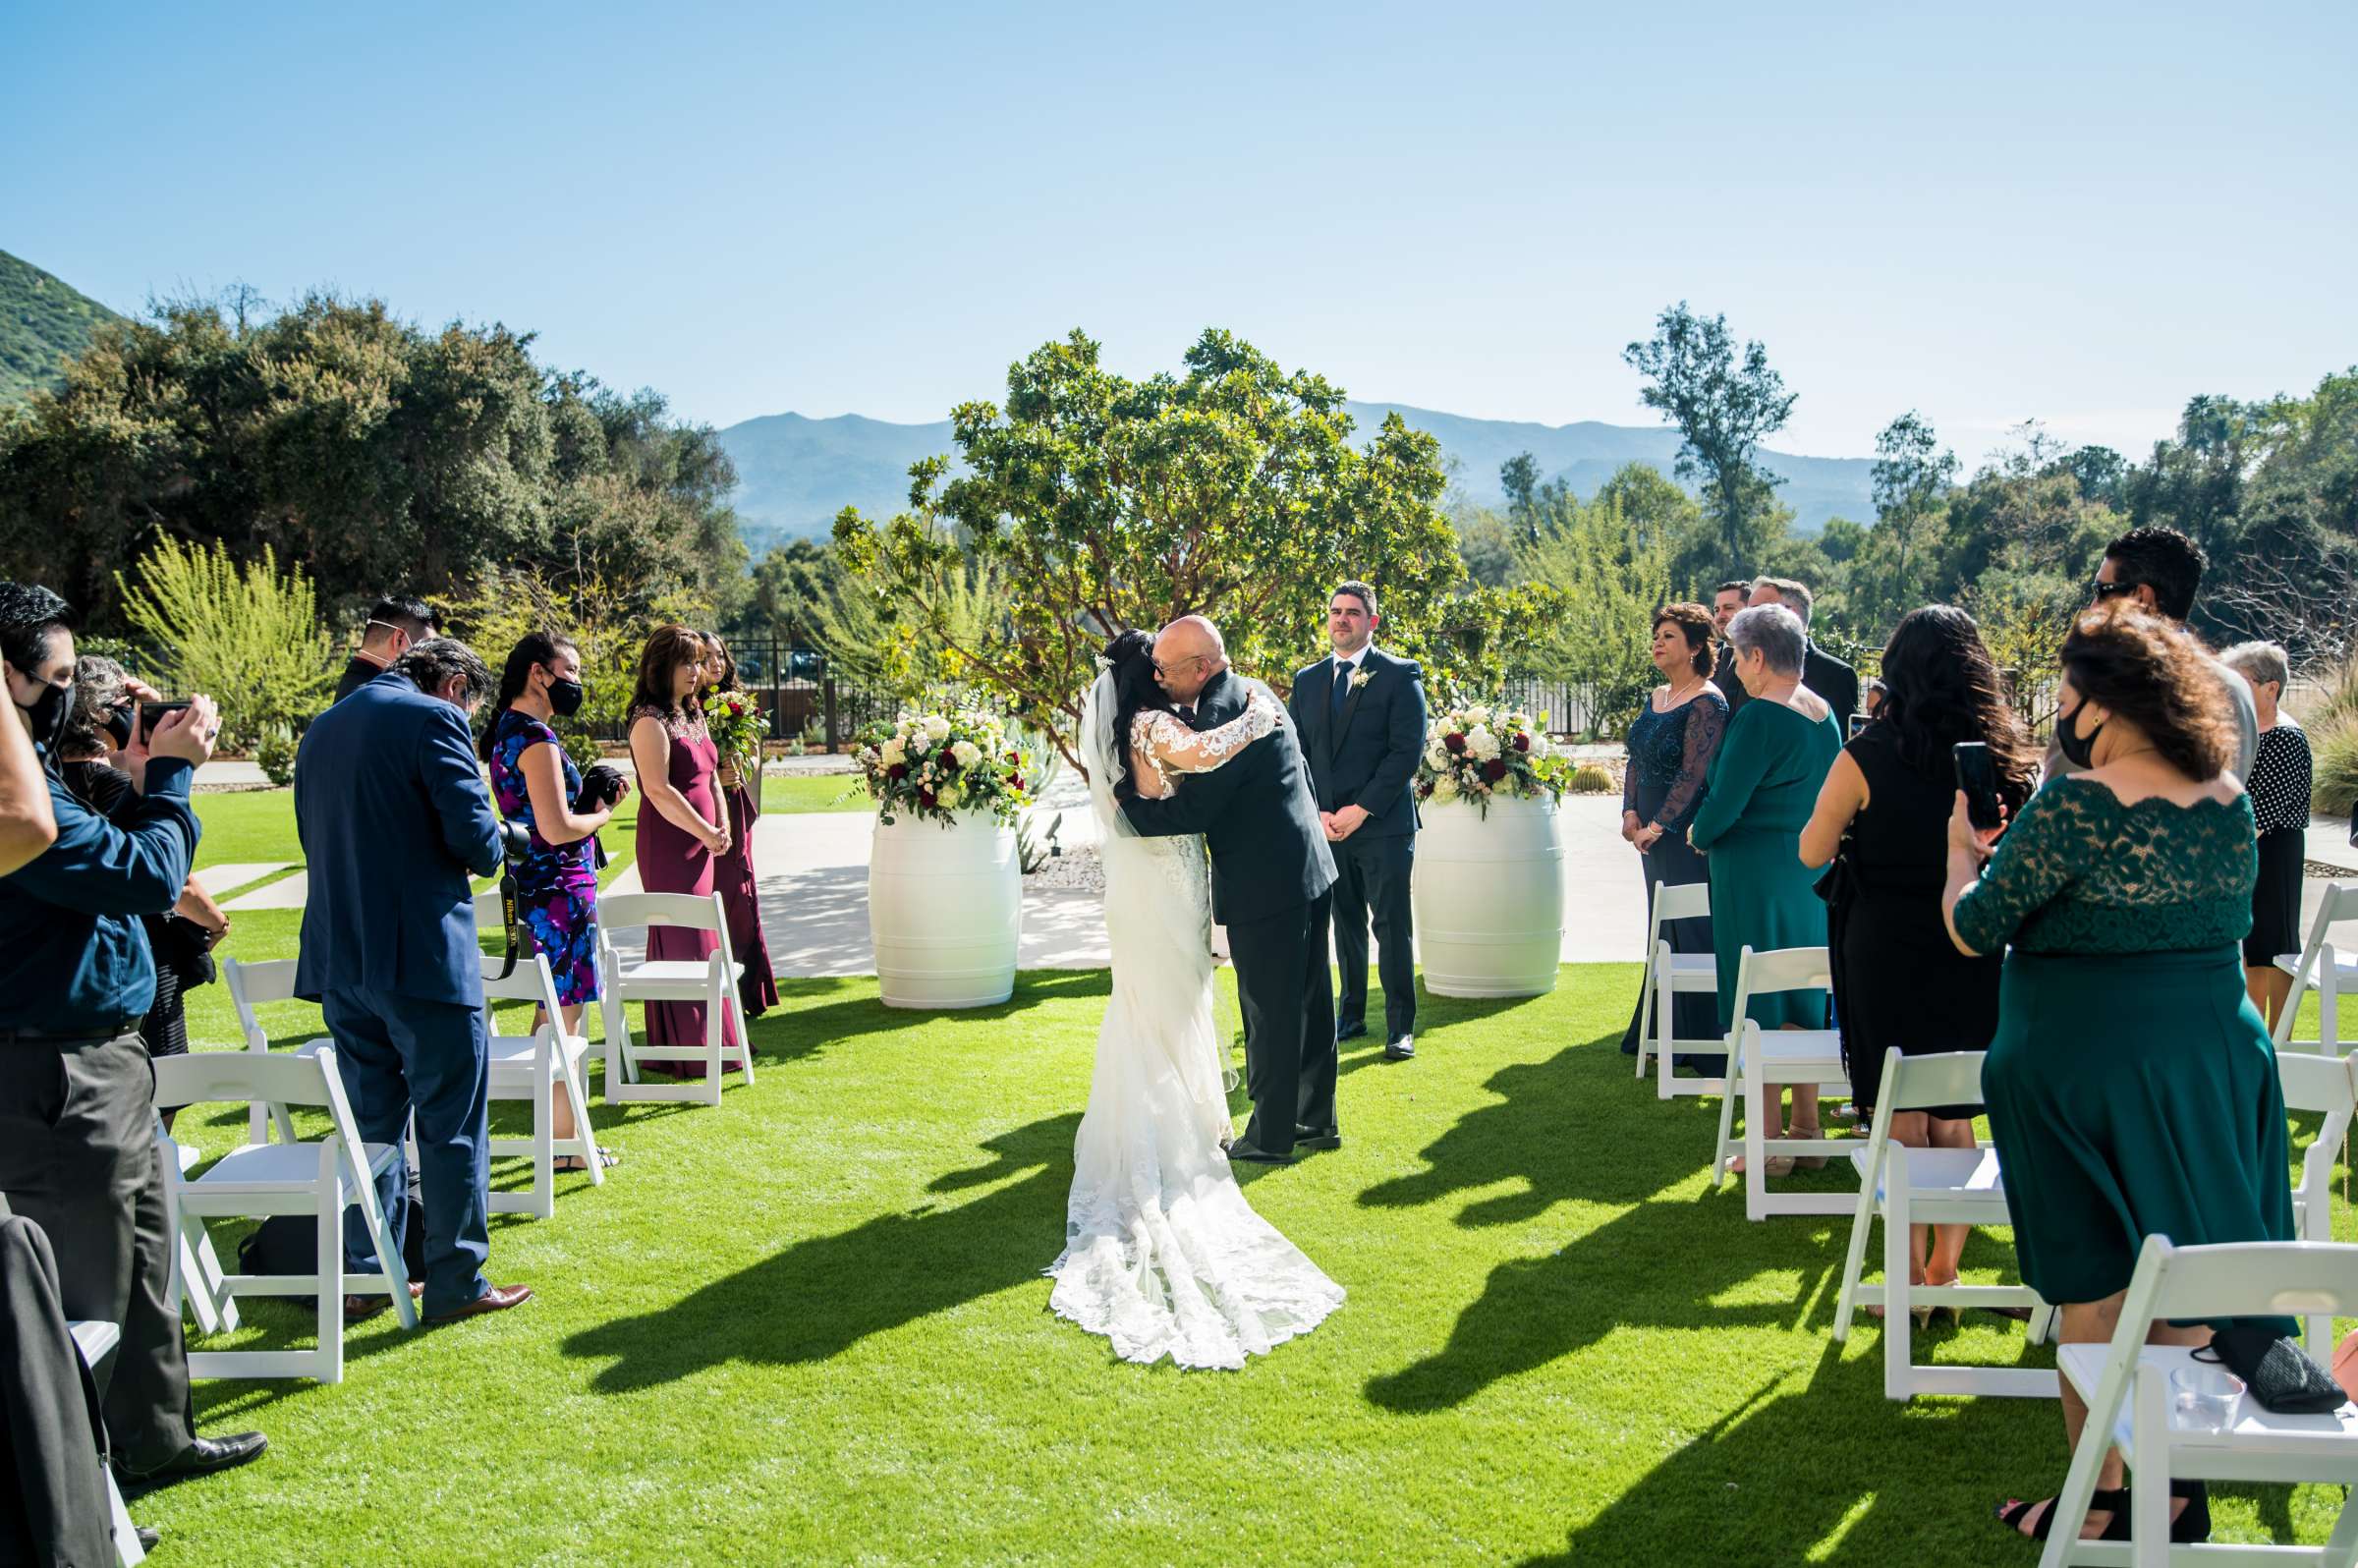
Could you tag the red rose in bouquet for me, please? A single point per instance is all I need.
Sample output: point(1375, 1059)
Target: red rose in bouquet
point(925, 799)
point(1455, 743)
point(1522, 742)
point(897, 772)
point(1494, 769)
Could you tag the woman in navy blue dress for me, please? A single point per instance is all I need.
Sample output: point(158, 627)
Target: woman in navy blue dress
point(1671, 745)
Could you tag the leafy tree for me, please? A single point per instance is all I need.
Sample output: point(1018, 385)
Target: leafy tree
point(1485, 544)
point(1724, 407)
point(1911, 479)
point(246, 636)
point(1610, 581)
point(1228, 490)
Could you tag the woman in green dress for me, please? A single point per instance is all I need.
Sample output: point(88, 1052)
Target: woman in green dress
point(1763, 788)
point(2131, 1087)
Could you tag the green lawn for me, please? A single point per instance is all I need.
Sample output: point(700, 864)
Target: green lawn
point(809, 1326)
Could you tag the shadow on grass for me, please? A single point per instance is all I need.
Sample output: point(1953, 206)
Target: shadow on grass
point(1559, 1134)
point(819, 1297)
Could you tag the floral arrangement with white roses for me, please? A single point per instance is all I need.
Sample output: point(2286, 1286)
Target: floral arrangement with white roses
point(938, 765)
point(1477, 751)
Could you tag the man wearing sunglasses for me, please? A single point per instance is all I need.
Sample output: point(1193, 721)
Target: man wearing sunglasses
point(2161, 569)
point(395, 626)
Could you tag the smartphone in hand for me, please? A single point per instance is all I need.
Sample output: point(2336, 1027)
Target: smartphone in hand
point(152, 713)
point(1977, 776)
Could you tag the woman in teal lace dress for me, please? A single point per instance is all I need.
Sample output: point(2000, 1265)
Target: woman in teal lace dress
point(2131, 1087)
point(1763, 788)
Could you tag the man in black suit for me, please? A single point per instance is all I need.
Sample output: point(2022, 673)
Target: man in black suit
point(1726, 599)
point(1361, 716)
point(1821, 671)
point(1271, 878)
point(395, 625)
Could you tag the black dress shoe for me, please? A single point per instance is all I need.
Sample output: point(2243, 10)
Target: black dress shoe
point(1351, 1031)
point(1400, 1050)
point(1256, 1155)
point(202, 1457)
point(1317, 1136)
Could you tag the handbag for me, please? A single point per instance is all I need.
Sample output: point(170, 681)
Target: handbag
point(182, 946)
point(2278, 1371)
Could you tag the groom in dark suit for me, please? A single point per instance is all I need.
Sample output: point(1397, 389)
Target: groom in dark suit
point(1270, 876)
point(1362, 717)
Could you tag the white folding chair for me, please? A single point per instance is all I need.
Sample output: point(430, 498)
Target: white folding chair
point(1762, 1062)
point(196, 1273)
point(1907, 1187)
point(2130, 1404)
point(261, 1179)
point(96, 1341)
point(250, 985)
point(2328, 967)
point(536, 1067)
point(714, 982)
point(2327, 1086)
point(1670, 975)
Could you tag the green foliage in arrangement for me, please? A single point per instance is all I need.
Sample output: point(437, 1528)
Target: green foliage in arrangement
point(371, 453)
point(246, 636)
point(1230, 490)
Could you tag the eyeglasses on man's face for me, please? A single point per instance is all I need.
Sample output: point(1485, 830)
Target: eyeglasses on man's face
point(1176, 664)
point(2101, 591)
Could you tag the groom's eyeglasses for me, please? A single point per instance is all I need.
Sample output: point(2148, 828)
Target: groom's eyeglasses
point(1161, 668)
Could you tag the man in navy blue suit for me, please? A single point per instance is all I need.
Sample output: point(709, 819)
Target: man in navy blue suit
point(1361, 716)
point(393, 815)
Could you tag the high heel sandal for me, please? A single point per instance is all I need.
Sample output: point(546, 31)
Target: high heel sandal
point(1807, 1162)
point(1926, 1315)
point(1915, 1278)
point(2114, 1501)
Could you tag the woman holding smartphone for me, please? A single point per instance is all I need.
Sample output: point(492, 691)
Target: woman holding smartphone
point(1898, 979)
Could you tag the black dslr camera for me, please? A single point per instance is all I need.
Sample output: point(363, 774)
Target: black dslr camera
point(601, 787)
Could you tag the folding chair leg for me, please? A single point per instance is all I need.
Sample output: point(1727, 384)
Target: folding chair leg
point(544, 1133)
point(2341, 1548)
point(1899, 1322)
point(713, 1039)
point(125, 1534)
point(1727, 1111)
point(1854, 1259)
point(331, 1292)
point(1648, 991)
point(574, 1083)
point(1756, 1141)
point(745, 1035)
point(2149, 1501)
point(2043, 1323)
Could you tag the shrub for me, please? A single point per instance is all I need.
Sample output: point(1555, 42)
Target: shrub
point(2335, 792)
point(274, 752)
point(1591, 779)
point(248, 639)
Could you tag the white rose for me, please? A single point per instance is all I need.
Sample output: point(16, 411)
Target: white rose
point(938, 728)
point(1478, 716)
point(1438, 758)
point(893, 753)
point(1444, 788)
point(967, 753)
point(1482, 745)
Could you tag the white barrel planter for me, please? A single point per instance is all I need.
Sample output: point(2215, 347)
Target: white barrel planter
point(1489, 898)
point(945, 911)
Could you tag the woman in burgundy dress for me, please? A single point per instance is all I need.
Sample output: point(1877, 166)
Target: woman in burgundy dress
point(733, 874)
point(683, 826)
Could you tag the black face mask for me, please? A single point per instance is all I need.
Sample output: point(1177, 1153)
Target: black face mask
point(49, 713)
point(565, 696)
point(2078, 749)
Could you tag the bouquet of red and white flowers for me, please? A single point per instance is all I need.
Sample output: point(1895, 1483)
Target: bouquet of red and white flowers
point(737, 726)
point(938, 765)
point(1477, 751)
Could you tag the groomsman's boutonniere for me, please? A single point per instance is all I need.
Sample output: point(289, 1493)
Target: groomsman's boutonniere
point(1360, 677)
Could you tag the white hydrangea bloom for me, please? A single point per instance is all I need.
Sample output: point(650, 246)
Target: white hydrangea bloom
point(1444, 788)
point(1478, 716)
point(967, 753)
point(1482, 745)
point(950, 797)
point(894, 752)
point(1437, 758)
point(938, 728)
point(1540, 747)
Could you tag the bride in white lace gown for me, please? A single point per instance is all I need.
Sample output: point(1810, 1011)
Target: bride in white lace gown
point(1162, 1255)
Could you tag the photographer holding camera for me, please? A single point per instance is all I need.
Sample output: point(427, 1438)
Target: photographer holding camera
point(393, 816)
point(78, 1147)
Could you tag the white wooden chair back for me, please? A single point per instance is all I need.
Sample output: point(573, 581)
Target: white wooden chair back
point(717, 989)
point(1681, 901)
point(2126, 1385)
point(628, 910)
point(2326, 1087)
point(2319, 965)
point(1781, 969)
point(1671, 902)
point(251, 985)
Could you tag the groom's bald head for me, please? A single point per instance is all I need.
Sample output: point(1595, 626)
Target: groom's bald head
point(1188, 654)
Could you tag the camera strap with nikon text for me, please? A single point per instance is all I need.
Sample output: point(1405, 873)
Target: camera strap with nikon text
point(510, 921)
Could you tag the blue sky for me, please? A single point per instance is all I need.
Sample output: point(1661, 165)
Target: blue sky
point(2082, 213)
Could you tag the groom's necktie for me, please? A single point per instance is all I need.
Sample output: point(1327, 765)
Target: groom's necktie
point(1341, 689)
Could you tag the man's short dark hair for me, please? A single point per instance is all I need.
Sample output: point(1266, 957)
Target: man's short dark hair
point(29, 616)
point(432, 662)
point(1740, 589)
point(1362, 592)
point(2164, 560)
point(407, 614)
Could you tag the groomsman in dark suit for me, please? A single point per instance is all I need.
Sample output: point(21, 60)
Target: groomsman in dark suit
point(1361, 716)
point(1821, 671)
point(1727, 600)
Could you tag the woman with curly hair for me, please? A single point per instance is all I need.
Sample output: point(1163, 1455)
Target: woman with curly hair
point(2131, 1087)
point(1671, 743)
point(1898, 979)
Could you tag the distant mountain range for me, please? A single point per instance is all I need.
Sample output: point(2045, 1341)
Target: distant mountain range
point(42, 322)
point(794, 473)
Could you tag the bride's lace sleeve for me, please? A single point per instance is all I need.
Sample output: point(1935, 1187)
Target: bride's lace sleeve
point(1178, 749)
point(2039, 856)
